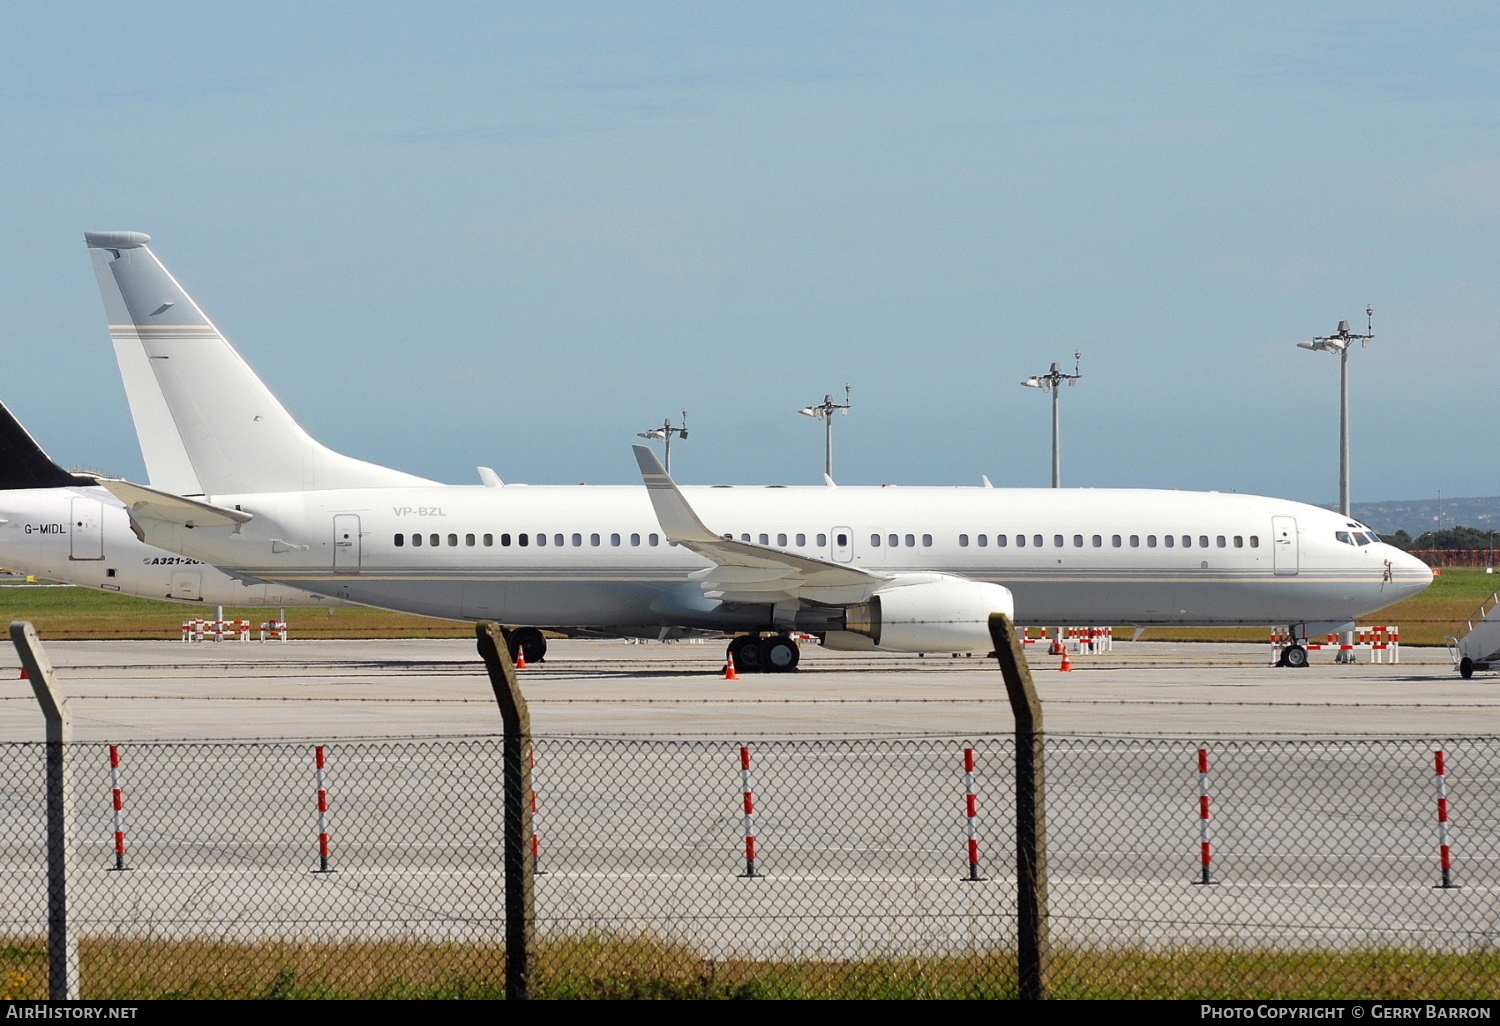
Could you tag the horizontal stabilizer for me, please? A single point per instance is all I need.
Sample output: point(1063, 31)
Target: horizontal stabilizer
point(23, 464)
point(150, 504)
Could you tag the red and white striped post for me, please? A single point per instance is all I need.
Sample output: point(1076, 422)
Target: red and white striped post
point(323, 843)
point(747, 787)
point(971, 813)
point(1445, 853)
point(1205, 846)
point(118, 794)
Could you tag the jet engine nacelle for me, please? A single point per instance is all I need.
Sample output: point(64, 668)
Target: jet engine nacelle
point(938, 613)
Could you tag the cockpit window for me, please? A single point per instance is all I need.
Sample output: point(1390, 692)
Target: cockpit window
point(1344, 537)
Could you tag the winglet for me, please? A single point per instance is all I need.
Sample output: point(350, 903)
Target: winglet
point(677, 518)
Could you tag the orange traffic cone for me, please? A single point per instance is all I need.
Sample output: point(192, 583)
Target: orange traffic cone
point(520, 659)
point(1066, 666)
point(729, 673)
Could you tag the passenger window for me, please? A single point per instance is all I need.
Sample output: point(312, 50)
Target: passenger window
point(635, 539)
point(453, 540)
point(1255, 541)
point(1135, 541)
point(577, 540)
point(416, 541)
point(1239, 541)
point(505, 541)
point(895, 540)
point(1078, 541)
point(1114, 540)
point(400, 540)
point(910, 541)
point(1057, 541)
point(1036, 540)
point(541, 539)
point(984, 541)
point(489, 539)
point(874, 541)
point(765, 539)
point(744, 537)
point(1020, 540)
point(469, 540)
point(1203, 541)
point(1220, 541)
point(435, 540)
point(1098, 542)
point(614, 539)
point(1169, 540)
point(651, 539)
point(593, 539)
point(963, 541)
point(1151, 541)
point(523, 539)
point(842, 540)
point(781, 540)
point(822, 540)
point(926, 541)
point(557, 540)
point(801, 541)
point(1187, 541)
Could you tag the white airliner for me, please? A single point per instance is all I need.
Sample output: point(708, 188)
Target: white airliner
point(64, 527)
point(904, 569)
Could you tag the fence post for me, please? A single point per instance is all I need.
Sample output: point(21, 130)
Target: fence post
point(520, 870)
point(62, 943)
point(1031, 814)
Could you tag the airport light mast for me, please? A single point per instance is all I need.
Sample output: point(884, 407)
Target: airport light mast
point(1339, 342)
point(665, 433)
point(1052, 381)
point(825, 410)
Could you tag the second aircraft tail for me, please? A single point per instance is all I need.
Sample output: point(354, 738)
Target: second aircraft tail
point(207, 424)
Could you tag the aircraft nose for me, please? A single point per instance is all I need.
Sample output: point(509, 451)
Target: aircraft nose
point(1409, 572)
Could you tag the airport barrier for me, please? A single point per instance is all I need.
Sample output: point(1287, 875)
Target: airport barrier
point(1078, 640)
point(1383, 644)
point(1330, 872)
point(218, 630)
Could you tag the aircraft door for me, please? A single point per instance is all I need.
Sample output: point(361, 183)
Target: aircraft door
point(346, 547)
point(187, 586)
point(843, 544)
point(1284, 538)
point(86, 534)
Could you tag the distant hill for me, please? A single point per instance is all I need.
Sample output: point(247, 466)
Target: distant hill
point(1415, 516)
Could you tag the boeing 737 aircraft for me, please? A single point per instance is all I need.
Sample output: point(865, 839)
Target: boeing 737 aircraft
point(64, 527)
point(904, 569)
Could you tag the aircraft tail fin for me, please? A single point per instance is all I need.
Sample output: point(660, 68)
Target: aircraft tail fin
point(207, 424)
point(23, 464)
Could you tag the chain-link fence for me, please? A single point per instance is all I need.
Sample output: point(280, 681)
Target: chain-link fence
point(773, 867)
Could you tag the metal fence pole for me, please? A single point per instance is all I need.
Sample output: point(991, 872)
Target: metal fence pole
point(1033, 945)
point(520, 870)
point(62, 942)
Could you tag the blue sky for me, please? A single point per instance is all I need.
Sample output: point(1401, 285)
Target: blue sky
point(516, 234)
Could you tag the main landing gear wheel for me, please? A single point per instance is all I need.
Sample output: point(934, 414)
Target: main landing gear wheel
point(1294, 656)
point(1466, 667)
point(745, 651)
point(779, 654)
point(529, 640)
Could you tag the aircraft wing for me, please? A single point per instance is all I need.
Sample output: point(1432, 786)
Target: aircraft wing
point(150, 504)
point(744, 572)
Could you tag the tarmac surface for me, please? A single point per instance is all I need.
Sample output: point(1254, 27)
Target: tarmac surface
point(143, 690)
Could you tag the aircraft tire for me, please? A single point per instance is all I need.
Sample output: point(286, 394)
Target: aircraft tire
point(529, 640)
point(779, 654)
point(745, 650)
point(1294, 656)
point(1466, 667)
